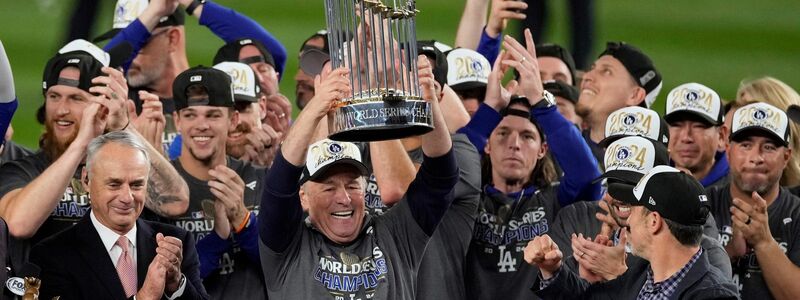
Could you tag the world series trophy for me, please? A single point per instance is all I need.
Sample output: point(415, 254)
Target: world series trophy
point(378, 43)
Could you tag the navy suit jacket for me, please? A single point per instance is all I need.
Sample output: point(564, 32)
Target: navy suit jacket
point(76, 265)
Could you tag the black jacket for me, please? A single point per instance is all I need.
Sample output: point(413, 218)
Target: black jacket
point(701, 282)
point(76, 265)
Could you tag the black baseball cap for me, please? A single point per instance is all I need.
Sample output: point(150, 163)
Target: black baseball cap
point(629, 158)
point(555, 50)
point(81, 54)
point(639, 65)
point(127, 11)
point(216, 82)
point(561, 89)
point(675, 195)
point(230, 52)
point(437, 57)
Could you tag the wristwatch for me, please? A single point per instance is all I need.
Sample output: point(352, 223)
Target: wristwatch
point(190, 9)
point(548, 100)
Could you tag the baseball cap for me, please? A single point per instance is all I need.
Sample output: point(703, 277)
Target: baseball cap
point(431, 49)
point(675, 195)
point(561, 89)
point(327, 153)
point(243, 81)
point(216, 82)
point(635, 120)
point(694, 100)
point(555, 50)
point(629, 158)
point(761, 118)
point(81, 54)
point(639, 66)
point(467, 69)
point(230, 52)
point(126, 11)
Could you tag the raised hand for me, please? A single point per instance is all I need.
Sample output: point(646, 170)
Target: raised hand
point(523, 59)
point(228, 188)
point(599, 259)
point(426, 79)
point(114, 88)
point(171, 248)
point(752, 221)
point(544, 253)
point(502, 11)
point(334, 87)
point(262, 146)
point(155, 280)
point(151, 122)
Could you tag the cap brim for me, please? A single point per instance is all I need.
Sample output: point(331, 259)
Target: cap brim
point(467, 86)
point(680, 115)
point(107, 35)
point(610, 139)
point(362, 169)
point(620, 176)
point(244, 98)
point(623, 192)
point(759, 131)
point(793, 112)
point(312, 61)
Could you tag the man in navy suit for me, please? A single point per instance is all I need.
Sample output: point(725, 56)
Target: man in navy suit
point(110, 253)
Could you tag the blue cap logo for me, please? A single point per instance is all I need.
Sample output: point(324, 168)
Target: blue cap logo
point(623, 153)
point(692, 96)
point(334, 148)
point(759, 114)
point(629, 120)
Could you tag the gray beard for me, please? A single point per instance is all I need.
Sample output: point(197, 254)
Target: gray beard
point(749, 188)
point(146, 77)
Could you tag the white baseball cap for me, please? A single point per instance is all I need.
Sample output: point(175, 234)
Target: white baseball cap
point(760, 117)
point(243, 81)
point(694, 99)
point(629, 158)
point(467, 69)
point(326, 153)
point(635, 121)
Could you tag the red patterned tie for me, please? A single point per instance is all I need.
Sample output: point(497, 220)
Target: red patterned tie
point(126, 268)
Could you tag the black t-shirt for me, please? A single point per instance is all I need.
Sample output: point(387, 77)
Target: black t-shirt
point(12, 151)
point(238, 277)
point(72, 206)
point(784, 224)
point(495, 264)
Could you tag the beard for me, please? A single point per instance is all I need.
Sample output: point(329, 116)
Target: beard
point(748, 187)
point(235, 148)
point(54, 146)
point(146, 77)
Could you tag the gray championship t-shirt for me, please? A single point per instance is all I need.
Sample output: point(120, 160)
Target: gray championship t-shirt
point(379, 264)
point(784, 224)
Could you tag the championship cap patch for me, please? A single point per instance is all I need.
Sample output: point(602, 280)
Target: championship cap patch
point(694, 100)
point(327, 153)
point(629, 158)
point(243, 80)
point(763, 118)
point(467, 69)
point(635, 121)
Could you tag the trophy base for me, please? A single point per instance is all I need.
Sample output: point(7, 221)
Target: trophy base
point(379, 119)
